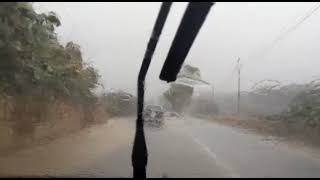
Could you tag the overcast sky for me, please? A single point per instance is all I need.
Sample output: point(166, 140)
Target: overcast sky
point(113, 36)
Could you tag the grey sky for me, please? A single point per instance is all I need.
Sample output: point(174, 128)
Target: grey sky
point(113, 36)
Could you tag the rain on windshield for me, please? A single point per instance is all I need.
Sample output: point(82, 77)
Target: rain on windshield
point(244, 100)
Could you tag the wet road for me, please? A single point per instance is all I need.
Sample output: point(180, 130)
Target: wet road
point(248, 155)
point(184, 148)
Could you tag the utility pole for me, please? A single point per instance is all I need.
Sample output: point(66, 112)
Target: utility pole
point(212, 91)
point(238, 102)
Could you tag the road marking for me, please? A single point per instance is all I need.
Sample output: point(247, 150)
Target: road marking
point(215, 157)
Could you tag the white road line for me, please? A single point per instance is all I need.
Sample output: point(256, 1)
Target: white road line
point(215, 157)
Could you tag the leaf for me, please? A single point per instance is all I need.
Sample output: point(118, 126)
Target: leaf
point(17, 45)
point(52, 17)
point(2, 44)
point(49, 68)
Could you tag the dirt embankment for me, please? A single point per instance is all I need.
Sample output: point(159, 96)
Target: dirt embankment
point(74, 155)
point(61, 118)
point(294, 133)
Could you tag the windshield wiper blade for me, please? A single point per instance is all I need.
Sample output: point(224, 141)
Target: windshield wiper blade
point(140, 152)
point(189, 27)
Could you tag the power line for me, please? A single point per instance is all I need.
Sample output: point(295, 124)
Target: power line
point(280, 37)
point(294, 27)
point(289, 30)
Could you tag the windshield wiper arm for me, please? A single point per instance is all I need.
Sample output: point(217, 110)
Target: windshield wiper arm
point(139, 152)
point(189, 27)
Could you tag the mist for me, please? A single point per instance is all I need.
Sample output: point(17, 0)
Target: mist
point(113, 38)
point(245, 103)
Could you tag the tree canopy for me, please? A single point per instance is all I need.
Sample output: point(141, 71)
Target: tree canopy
point(34, 61)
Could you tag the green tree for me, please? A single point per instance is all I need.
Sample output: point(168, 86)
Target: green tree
point(35, 66)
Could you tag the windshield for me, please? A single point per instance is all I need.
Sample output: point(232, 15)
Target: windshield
point(231, 89)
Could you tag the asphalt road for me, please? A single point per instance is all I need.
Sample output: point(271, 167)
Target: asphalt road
point(186, 147)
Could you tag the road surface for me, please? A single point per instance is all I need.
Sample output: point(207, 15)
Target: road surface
point(186, 147)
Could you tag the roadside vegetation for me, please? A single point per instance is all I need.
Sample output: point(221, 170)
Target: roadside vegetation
point(119, 103)
point(46, 87)
point(289, 111)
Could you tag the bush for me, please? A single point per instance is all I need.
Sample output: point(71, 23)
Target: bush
point(304, 109)
point(35, 68)
point(119, 103)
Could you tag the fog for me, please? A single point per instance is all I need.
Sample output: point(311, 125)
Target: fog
point(55, 123)
point(114, 36)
